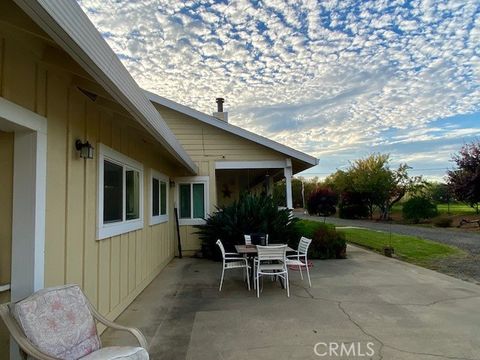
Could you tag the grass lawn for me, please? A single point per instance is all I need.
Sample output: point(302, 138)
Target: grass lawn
point(455, 209)
point(409, 248)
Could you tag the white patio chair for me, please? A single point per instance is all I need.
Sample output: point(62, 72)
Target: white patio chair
point(300, 258)
point(233, 261)
point(271, 261)
point(59, 323)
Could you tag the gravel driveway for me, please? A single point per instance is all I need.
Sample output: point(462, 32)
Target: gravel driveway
point(466, 268)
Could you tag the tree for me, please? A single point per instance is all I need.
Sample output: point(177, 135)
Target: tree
point(465, 180)
point(309, 186)
point(372, 177)
point(352, 205)
point(384, 187)
point(322, 202)
point(439, 192)
point(372, 180)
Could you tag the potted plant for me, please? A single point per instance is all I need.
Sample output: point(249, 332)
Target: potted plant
point(388, 251)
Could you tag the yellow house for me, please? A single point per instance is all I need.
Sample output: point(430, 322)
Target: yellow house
point(93, 166)
point(230, 160)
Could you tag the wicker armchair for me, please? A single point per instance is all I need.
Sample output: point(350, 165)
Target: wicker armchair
point(60, 323)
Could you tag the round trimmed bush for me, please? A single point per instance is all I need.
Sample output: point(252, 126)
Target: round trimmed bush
point(419, 208)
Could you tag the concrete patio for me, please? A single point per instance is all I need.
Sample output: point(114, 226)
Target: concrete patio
point(399, 310)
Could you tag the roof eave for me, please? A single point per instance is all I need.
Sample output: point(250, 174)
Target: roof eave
point(211, 120)
point(48, 15)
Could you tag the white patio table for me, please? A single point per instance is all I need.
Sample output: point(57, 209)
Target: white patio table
point(251, 251)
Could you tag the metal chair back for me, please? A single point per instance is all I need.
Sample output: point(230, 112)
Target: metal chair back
point(222, 249)
point(272, 253)
point(303, 245)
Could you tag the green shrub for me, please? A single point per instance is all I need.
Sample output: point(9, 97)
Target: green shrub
point(327, 243)
point(418, 208)
point(322, 202)
point(307, 228)
point(250, 214)
point(443, 222)
point(352, 205)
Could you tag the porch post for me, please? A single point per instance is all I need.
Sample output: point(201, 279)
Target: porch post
point(28, 227)
point(288, 183)
point(270, 185)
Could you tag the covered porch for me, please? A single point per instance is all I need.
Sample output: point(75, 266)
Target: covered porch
point(236, 177)
point(399, 310)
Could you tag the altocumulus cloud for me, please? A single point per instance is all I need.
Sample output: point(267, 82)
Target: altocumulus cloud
point(324, 77)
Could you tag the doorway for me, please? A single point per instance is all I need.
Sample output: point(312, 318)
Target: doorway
point(23, 157)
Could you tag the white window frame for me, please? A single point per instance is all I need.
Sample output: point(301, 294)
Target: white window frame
point(121, 227)
point(193, 180)
point(158, 219)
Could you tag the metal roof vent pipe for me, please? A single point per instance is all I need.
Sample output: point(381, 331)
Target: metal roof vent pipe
point(220, 114)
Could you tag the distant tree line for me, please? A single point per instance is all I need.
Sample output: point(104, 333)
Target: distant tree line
point(369, 185)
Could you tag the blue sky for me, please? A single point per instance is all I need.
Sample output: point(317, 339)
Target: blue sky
point(336, 79)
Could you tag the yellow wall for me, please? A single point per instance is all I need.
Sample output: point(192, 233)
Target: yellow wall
point(6, 191)
point(40, 77)
point(206, 144)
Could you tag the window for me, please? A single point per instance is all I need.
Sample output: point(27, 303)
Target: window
point(159, 198)
point(192, 200)
point(120, 193)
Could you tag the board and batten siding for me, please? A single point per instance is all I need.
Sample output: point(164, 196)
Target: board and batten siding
point(206, 144)
point(115, 270)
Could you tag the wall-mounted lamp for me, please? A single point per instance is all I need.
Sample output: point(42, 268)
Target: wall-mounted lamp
point(85, 149)
point(172, 184)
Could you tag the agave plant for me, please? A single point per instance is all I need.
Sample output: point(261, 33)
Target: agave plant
point(250, 214)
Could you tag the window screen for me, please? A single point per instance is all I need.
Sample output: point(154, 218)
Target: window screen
point(132, 182)
point(112, 192)
point(163, 198)
point(155, 197)
point(198, 201)
point(185, 201)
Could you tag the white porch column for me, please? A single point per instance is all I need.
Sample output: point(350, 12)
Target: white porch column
point(288, 183)
point(29, 201)
point(28, 228)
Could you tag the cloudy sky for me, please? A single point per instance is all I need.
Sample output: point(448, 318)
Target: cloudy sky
point(336, 79)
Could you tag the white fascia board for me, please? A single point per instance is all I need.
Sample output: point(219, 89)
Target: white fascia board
point(211, 120)
point(70, 28)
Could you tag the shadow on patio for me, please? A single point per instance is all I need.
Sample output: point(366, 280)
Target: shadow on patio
point(365, 302)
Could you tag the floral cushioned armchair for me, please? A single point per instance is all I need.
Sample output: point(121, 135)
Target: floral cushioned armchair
point(59, 323)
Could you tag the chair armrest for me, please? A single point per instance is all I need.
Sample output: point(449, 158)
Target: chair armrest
point(235, 254)
point(134, 331)
point(27, 348)
point(235, 258)
point(295, 256)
